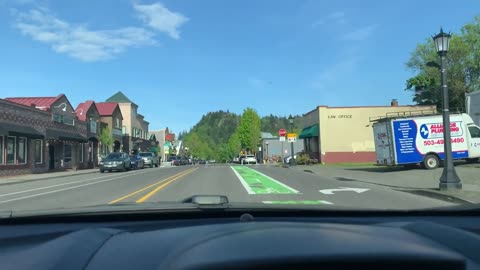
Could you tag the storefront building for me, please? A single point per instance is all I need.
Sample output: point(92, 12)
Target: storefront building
point(40, 134)
point(344, 134)
point(87, 112)
point(112, 118)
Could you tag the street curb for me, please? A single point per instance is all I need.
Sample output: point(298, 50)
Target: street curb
point(39, 179)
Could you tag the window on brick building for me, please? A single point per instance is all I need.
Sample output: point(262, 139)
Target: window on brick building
point(38, 151)
point(11, 150)
point(67, 152)
point(22, 150)
point(2, 150)
point(82, 146)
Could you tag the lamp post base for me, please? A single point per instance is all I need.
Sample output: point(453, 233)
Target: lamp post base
point(450, 180)
point(450, 186)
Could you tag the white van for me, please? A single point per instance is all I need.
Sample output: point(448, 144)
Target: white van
point(412, 140)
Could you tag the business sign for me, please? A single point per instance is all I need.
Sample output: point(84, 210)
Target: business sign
point(416, 137)
point(292, 137)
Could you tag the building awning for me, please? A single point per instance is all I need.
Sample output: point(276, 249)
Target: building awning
point(18, 130)
point(64, 136)
point(311, 131)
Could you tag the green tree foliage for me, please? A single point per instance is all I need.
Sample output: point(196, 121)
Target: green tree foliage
point(216, 135)
point(249, 129)
point(106, 138)
point(463, 69)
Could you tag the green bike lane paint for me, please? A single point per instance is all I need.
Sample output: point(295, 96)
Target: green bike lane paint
point(256, 182)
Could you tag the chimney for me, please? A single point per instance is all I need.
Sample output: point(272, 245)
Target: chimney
point(394, 103)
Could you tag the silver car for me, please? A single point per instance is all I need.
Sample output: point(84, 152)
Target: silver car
point(150, 159)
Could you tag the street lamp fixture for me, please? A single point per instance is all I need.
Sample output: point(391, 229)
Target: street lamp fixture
point(266, 145)
point(449, 178)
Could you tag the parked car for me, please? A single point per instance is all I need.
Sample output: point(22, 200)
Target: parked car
point(150, 159)
point(236, 159)
point(176, 161)
point(117, 161)
point(202, 161)
point(250, 159)
point(137, 162)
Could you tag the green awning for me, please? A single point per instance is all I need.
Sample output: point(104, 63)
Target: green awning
point(311, 131)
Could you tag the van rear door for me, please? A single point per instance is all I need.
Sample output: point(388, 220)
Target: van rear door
point(383, 143)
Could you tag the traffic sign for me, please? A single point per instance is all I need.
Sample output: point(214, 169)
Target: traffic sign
point(292, 137)
point(282, 139)
point(282, 132)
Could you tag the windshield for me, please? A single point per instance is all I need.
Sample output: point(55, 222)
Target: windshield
point(114, 156)
point(317, 104)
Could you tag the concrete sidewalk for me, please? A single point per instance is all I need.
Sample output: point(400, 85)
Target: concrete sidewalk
point(42, 176)
point(415, 180)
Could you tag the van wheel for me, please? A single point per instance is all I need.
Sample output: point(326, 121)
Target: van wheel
point(431, 162)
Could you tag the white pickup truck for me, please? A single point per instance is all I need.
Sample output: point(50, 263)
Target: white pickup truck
point(419, 139)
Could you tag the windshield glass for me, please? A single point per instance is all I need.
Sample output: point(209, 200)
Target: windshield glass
point(114, 156)
point(317, 104)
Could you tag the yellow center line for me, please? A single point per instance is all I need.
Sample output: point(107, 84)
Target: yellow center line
point(147, 187)
point(151, 193)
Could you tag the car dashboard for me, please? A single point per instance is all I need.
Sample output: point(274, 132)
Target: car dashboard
point(244, 241)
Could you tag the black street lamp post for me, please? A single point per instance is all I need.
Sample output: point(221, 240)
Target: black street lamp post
point(449, 178)
point(292, 160)
point(266, 144)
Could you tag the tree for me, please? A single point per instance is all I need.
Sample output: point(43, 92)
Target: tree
point(249, 129)
point(463, 69)
point(106, 138)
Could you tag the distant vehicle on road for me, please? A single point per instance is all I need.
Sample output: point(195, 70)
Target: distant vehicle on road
point(117, 161)
point(419, 139)
point(202, 161)
point(137, 162)
point(176, 161)
point(236, 160)
point(150, 159)
point(250, 159)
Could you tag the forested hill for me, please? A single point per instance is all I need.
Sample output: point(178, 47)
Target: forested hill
point(214, 130)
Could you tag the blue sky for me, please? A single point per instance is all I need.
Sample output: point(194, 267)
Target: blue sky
point(179, 59)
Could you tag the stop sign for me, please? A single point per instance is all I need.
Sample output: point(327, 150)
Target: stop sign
point(282, 132)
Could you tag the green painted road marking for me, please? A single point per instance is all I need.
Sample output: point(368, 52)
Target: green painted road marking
point(258, 183)
point(297, 202)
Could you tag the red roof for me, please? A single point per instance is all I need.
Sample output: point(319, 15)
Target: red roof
point(83, 108)
point(42, 103)
point(106, 108)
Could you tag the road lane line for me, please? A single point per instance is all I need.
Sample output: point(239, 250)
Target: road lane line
point(260, 183)
point(278, 182)
point(147, 187)
point(64, 184)
point(244, 183)
point(63, 189)
point(151, 193)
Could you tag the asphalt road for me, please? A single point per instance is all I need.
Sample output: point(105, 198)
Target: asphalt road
point(256, 183)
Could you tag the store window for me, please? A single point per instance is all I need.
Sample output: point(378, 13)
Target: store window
point(67, 152)
point(22, 150)
point(38, 151)
point(2, 150)
point(11, 150)
point(82, 146)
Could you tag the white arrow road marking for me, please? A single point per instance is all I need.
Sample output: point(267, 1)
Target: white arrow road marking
point(331, 191)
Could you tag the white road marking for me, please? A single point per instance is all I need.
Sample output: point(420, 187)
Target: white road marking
point(63, 189)
point(64, 184)
point(276, 181)
point(245, 185)
point(331, 191)
point(274, 202)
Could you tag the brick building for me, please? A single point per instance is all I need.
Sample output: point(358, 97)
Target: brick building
point(40, 134)
point(111, 118)
point(87, 112)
